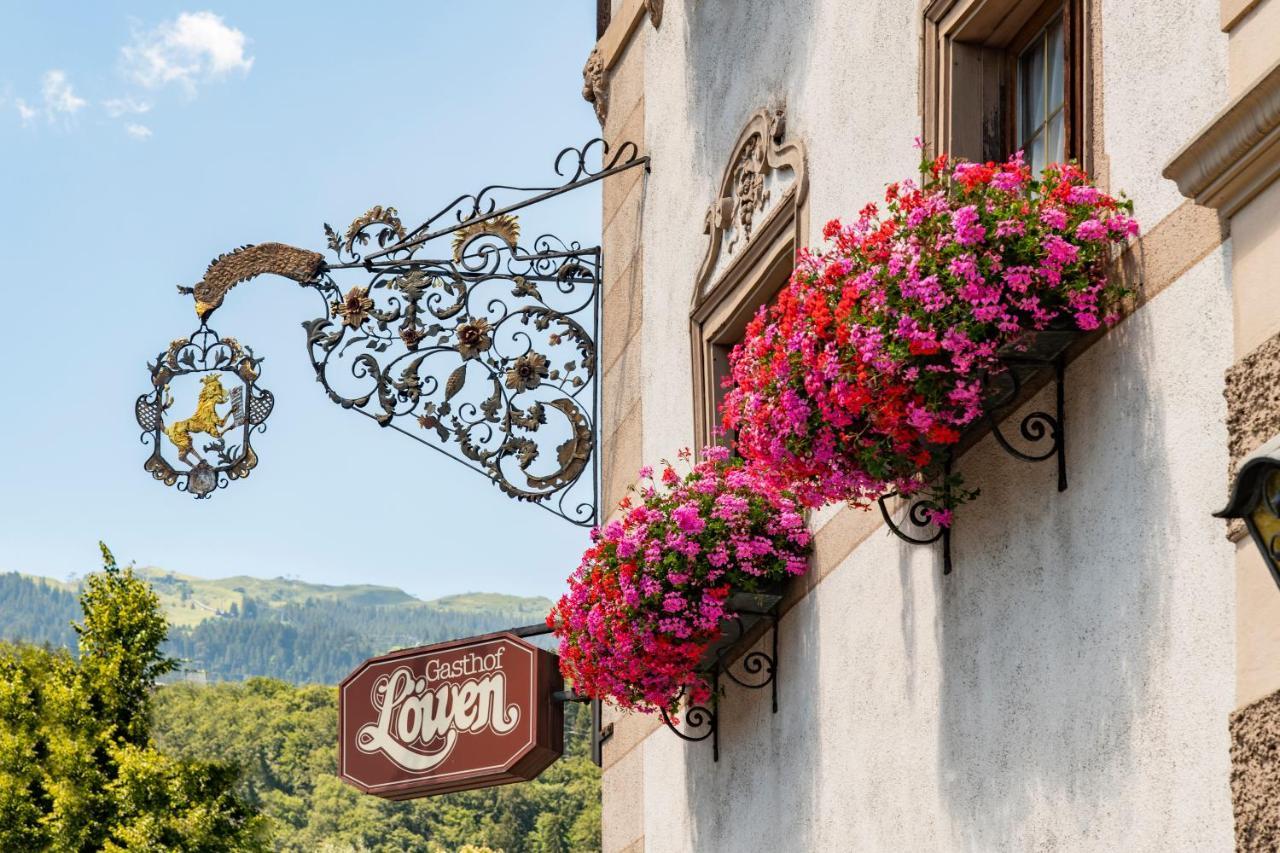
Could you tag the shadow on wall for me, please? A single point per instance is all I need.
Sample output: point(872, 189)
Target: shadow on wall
point(752, 737)
point(740, 57)
point(1056, 612)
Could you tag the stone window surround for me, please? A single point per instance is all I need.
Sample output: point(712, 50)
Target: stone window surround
point(724, 302)
point(966, 76)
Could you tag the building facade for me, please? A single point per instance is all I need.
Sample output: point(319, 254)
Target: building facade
point(1101, 659)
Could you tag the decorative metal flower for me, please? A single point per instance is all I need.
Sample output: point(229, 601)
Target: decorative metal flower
point(412, 335)
point(354, 307)
point(528, 372)
point(474, 338)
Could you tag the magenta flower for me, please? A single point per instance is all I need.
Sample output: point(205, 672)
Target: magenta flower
point(650, 593)
point(869, 363)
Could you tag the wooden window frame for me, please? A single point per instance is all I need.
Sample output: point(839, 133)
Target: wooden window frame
point(969, 74)
point(763, 251)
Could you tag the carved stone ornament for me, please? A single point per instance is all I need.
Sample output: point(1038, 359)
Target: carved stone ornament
point(654, 8)
point(743, 203)
point(594, 89)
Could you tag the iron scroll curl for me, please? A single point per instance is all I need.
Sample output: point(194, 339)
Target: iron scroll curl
point(456, 332)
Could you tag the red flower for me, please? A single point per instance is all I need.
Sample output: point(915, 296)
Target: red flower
point(876, 350)
point(939, 434)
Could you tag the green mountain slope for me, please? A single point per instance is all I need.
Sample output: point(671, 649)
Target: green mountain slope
point(189, 600)
point(238, 627)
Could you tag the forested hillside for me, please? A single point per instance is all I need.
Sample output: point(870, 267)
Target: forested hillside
point(236, 628)
point(96, 756)
point(282, 738)
point(37, 611)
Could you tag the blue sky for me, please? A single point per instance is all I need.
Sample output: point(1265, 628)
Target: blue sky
point(139, 141)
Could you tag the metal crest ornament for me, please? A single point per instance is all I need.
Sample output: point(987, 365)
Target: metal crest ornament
point(203, 408)
point(458, 333)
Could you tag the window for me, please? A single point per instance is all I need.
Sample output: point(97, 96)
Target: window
point(1004, 75)
point(1040, 113)
point(754, 230)
point(722, 327)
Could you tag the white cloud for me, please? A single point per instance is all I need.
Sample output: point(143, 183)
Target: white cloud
point(26, 112)
point(59, 97)
point(193, 48)
point(138, 131)
point(117, 107)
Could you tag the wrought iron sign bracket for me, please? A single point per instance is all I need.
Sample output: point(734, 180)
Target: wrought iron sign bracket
point(459, 333)
point(599, 733)
point(759, 668)
point(1003, 390)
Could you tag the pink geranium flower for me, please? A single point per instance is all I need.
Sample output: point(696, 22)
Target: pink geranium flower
point(650, 594)
point(871, 361)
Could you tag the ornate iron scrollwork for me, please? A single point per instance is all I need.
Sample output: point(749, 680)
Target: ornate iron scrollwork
point(760, 670)
point(219, 413)
point(1036, 427)
point(698, 718)
point(455, 333)
point(919, 512)
point(487, 353)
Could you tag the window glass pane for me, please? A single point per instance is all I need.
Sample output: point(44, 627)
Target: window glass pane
point(1056, 154)
point(1033, 153)
point(1056, 88)
point(1031, 90)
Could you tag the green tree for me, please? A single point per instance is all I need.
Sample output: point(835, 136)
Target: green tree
point(284, 737)
point(120, 640)
point(78, 769)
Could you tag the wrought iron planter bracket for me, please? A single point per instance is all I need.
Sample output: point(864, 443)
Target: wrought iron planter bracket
point(456, 333)
point(1036, 428)
point(702, 722)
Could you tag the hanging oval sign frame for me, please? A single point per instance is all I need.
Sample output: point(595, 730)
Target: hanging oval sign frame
point(204, 451)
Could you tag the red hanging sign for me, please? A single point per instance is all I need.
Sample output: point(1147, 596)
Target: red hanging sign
point(450, 717)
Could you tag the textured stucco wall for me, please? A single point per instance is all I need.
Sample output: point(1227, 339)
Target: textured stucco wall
point(1068, 687)
point(1164, 76)
point(1255, 760)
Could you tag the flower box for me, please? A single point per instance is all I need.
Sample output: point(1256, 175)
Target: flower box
point(756, 611)
point(890, 347)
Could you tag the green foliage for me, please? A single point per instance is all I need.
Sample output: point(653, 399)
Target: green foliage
point(92, 756)
point(78, 770)
point(283, 738)
point(120, 640)
point(320, 641)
